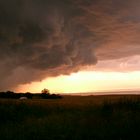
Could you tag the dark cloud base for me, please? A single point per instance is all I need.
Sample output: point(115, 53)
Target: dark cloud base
point(42, 38)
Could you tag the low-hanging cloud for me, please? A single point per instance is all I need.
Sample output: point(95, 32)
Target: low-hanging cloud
point(42, 38)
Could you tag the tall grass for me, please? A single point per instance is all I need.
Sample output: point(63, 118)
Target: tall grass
point(71, 118)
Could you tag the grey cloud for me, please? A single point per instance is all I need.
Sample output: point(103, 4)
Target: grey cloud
point(42, 38)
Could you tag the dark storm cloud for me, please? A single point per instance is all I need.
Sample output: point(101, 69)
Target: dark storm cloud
point(42, 38)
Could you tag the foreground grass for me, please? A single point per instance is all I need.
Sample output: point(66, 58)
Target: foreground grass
point(71, 118)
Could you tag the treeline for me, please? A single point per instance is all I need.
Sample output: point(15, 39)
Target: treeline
point(28, 95)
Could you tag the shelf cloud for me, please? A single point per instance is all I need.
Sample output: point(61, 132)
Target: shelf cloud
point(42, 38)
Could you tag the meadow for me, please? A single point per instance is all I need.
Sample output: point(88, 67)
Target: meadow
point(108, 117)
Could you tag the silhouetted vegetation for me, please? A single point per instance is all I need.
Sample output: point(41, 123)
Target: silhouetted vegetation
point(45, 91)
point(72, 118)
point(10, 94)
point(45, 95)
point(29, 95)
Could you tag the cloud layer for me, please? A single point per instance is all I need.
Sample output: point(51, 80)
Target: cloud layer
point(42, 38)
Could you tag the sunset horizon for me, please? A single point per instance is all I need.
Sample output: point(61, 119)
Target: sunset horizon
point(86, 82)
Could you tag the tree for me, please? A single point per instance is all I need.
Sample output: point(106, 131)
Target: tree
point(29, 95)
point(45, 91)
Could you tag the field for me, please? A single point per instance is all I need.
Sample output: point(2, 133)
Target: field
point(114, 117)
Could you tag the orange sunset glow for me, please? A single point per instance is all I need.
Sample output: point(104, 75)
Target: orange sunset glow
point(110, 75)
point(87, 82)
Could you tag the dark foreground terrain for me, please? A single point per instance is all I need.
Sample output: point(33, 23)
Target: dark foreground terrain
point(71, 118)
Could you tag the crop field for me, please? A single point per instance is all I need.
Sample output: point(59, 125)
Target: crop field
point(114, 117)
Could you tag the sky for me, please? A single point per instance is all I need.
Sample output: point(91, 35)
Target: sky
point(69, 46)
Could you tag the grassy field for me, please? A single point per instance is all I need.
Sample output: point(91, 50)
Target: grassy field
point(71, 118)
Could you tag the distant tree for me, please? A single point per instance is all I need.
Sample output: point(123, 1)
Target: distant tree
point(29, 95)
point(9, 92)
point(46, 95)
point(45, 91)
